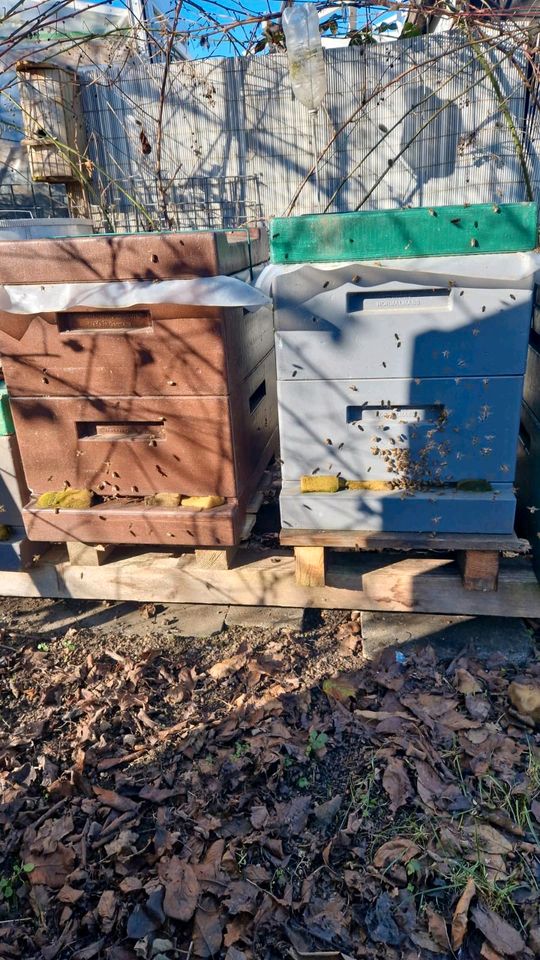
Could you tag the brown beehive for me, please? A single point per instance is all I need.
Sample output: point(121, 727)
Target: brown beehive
point(132, 402)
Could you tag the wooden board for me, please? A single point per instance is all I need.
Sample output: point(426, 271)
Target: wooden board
point(479, 569)
point(356, 581)
point(419, 232)
point(133, 523)
point(357, 540)
point(144, 256)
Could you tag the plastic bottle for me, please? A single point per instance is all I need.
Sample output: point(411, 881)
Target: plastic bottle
point(304, 50)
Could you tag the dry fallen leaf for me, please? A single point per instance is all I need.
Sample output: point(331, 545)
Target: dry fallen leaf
point(396, 783)
point(114, 800)
point(501, 935)
point(399, 850)
point(461, 914)
point(339, 688)
point(438, 929)
point(182, 889)
point(106, 907)
point(51, 869)
point(68, 894)
point(466, 683)
point(488, 953)
point(525, 698)
point(207, 929)
point(258, 817)
point(228, 666)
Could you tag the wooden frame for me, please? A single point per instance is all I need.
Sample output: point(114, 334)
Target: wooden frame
point(365, 581)
point(477, 555)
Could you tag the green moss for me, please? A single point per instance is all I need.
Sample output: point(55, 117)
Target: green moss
point(474, 486)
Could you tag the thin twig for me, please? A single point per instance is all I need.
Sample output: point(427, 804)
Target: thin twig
point(49, 813)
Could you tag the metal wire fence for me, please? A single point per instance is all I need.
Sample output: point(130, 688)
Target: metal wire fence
point(417, 122)
point(219, 142)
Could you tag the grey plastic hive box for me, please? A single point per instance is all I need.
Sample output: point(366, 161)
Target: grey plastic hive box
point(13, 490)
point(370, 363)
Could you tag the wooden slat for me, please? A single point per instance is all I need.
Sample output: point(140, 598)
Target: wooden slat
point(371, 540)
point(310, 566)
point(208, 559)
point(479, 569)
point(88, 555)
point(417, 232)
point(353, 582)
point(116, 522)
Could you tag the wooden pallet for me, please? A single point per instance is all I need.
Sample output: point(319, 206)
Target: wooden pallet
point(477, 556)
point(354, 581)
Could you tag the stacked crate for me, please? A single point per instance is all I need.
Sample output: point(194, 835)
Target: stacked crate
point(130, 403)
point(403, 377)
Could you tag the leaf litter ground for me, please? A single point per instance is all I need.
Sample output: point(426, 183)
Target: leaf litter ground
point(263, 795)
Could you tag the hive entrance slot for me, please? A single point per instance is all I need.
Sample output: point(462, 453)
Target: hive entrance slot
point(430, 413)
point(92, 321)
point(257, 396)
point(392, 300)
point(122, 430)
point(525, 437)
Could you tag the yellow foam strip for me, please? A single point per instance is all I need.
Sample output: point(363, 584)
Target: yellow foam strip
point(69, 499)
point(321, 484)
point(202, 503)
point(369, 485)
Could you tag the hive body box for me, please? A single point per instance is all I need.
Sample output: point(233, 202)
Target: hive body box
point(419, 383)
point(155, 398)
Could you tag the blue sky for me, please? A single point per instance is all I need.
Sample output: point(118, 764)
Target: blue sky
point(223, 12)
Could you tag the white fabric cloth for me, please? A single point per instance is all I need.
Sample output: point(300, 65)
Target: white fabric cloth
point(487, 270)
point(205, 291)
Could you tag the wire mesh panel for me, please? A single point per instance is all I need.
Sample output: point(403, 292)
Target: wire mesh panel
point(417, 122)
point(32, 200)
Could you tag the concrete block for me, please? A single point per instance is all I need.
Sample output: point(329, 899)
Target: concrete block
point(152, 621)
point(195, 620)
point(482, 637)
point(266, 618)
point(446, 510)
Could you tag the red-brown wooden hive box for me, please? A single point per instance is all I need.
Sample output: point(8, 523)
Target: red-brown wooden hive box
point(133, 402)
